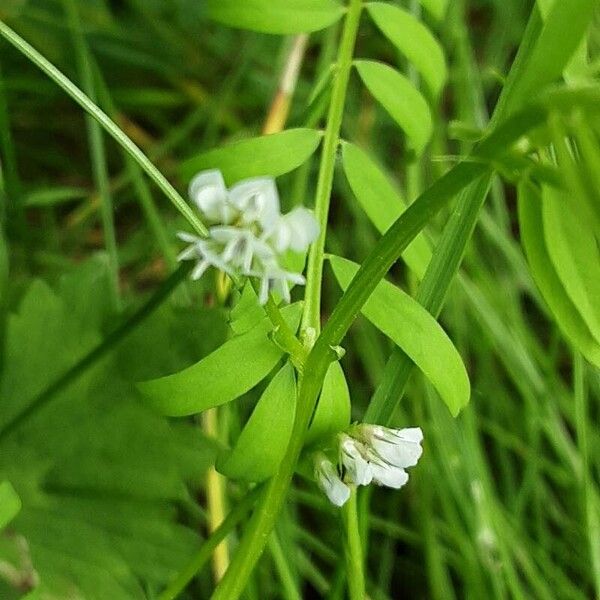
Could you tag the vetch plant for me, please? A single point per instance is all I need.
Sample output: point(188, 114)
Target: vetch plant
point(300, 391)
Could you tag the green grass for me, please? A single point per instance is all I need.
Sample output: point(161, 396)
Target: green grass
point(101, 103)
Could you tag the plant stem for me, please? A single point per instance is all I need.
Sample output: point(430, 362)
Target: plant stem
point(97, 150)
point(312, 307)
point(353, 549)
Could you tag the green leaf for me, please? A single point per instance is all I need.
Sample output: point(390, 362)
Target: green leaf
point(10, 504)
point(436, 8)
point(267, 155)
point(264, 439)
point(414, 330)
point(54, 195)
point(574, 253)
point(414, 40)
point(333, 410)
point(401, 100)
point(222, 376)
point(276, 16)
point(381, 201)
point(568, 318)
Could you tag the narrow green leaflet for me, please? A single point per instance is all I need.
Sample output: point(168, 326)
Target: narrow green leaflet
point(414, 330)
point(276, 16)
point(264, 439)
point(272, 155)
point(54, 195)
point(10, 504)
point(222, 376)
point(414, 40)
point(333, 410)
point(436, 8)
point(574, 253)
point(401, 100)
point(382, 202)
point(568, 318)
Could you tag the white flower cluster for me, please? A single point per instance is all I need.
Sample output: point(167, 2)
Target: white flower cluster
point(248, 234)
point(370, 453)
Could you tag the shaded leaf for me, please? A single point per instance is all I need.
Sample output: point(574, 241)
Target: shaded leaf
point(263, 441)
point(333, 410)
point(414, 330)
point(568, 318)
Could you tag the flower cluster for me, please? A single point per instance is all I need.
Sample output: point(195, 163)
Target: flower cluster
point(248, 235)
point(369, 453)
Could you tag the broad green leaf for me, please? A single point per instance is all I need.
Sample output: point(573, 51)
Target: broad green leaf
point(544, 275)
point(10, 504)
point(382, 202)
point(414, 330)
point(247, 312)
point(222, 376)
point(436, 8)
point(333, 410)
point(401, 100)
point(276, 16)
point(263, 441)
point(414, 40)
point(272, 155)
point(574, 253)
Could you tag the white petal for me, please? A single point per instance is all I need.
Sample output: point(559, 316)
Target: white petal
point(208, 191)
point(359, 470)
point(398, 447)
point(189, 253)
point(304, 228)
point(331, 484)
point(257, 200)
point(188, 237)
point(392, 477)
point(200, 269)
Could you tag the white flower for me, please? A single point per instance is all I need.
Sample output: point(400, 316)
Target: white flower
point(329, 481)
point(205, 251)
point(353, 453)
point(276, 279)
point(397, 447)
point(249, 233)
point(295, 231)
point(257, 201)
point(208, 191)
point(388, 475)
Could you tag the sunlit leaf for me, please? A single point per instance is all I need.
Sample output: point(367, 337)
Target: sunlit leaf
point(10, 503)
point(401, 100)
point(414, 40)
point(266, 155)
point(276, 16)
point(222, 376)
point(263, 441)
point(414, 330)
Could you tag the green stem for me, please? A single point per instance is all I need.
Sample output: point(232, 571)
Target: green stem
point(107, 124)
point(205, 551)
point(316, 257)
point(97, 150)
point(353, 549)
